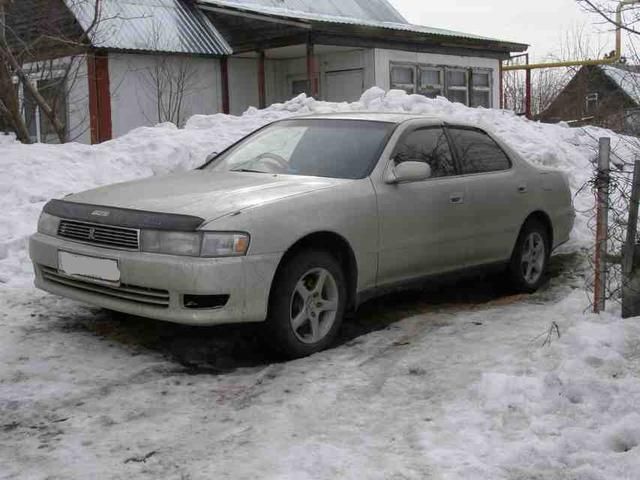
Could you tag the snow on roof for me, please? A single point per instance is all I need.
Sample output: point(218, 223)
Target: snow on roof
point(150, 25)
point(254, 6)
point(627, 80)
point(372, 10)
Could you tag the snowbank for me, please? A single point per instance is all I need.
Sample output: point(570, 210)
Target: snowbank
point(30, 175)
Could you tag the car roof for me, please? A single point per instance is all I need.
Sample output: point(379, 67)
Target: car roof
point(388, 117)
point(372, 116)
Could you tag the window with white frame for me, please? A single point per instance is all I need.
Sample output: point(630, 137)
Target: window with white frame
point(431, 82)
point(458, 86)
point(39, 126)
point(468, 86)
point(480, 88)
point(591, 102)
point(403, 77)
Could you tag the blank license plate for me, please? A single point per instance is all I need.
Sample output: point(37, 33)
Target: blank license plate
point(91, 267)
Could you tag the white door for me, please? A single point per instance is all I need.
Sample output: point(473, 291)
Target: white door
point(344, 86)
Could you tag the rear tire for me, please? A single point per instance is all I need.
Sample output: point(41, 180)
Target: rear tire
point(530, 259)
point(307, 304)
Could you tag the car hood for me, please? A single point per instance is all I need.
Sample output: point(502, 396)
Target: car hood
point(205, 194)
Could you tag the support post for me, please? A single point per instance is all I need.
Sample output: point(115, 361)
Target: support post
point(262, 89)
point(602, 221)
point(501, 84)
point(224, 82)
point(527, 104)
point(312, 73)
point(630, 284)
point(99, 97)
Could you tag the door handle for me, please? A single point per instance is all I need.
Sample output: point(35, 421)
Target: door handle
point(456, 198)
point(522, 189)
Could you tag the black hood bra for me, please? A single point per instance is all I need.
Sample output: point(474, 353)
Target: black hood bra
point(123, 217)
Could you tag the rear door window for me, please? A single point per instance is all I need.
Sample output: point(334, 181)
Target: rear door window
point(429, 145)
point(477, 152)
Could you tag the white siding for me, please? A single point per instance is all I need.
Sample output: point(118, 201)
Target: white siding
point(133, 92)
point(279, 73)
point(383, 58)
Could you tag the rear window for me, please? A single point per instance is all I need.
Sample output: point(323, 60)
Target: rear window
point(478, 152)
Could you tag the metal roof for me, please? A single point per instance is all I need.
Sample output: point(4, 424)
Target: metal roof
point(261, 8)
point(150, 25)
point(627, 80)
point(373, 10)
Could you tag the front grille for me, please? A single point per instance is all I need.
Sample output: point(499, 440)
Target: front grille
point(105, 235)
point(140, 295)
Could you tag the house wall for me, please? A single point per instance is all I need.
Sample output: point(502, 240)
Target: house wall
point(77, 92)
point(279, 73)
point(571, 106)
point(384, 57)
point(133, 82)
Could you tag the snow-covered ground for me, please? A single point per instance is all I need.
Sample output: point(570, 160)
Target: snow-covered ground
point(451, 391)
point(461, 383)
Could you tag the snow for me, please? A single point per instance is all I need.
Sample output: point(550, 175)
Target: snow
point(627, 80)
point(30, 175)
point(446, 385)
point(451, 392)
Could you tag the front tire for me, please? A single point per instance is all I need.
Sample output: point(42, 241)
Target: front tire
point(530, 258)
point(307, 304)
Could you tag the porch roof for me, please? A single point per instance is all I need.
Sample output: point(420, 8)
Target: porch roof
point(318, 19)
point(170, 26)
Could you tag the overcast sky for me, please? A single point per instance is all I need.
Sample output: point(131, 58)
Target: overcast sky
point(539, 23)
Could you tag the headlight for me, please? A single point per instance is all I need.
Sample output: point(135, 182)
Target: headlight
point(194, 244)
point(48, 224)
point(224, 244)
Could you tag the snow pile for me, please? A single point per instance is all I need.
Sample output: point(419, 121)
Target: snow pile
point(7, 138)
point(570, 405)
point(30, 175)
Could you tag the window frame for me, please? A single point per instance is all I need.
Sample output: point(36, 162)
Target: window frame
point(444, 87)
point(401, 86)
point(588, 99)
point(458, 88)
point(456, 155)
point(415, 128)
point(488, 89)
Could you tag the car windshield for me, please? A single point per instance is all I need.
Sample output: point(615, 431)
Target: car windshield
point(313, 147)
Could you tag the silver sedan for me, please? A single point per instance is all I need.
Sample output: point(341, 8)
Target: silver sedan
point(304, 220)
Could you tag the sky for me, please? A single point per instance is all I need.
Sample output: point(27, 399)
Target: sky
point(540, 23)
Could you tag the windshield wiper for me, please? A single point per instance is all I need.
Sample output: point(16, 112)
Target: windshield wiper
point(248, 170)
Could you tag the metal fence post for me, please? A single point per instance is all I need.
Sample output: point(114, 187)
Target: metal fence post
point(630, 291)
point(602, 222)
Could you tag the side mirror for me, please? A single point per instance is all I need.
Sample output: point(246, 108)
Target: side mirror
point(410, 171)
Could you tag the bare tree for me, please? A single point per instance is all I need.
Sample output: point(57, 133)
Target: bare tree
point(39, 64)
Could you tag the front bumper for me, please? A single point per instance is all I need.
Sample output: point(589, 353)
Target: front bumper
point(147, 276)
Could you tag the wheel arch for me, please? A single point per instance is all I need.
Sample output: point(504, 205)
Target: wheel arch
point(336, 245)
point(542, 217)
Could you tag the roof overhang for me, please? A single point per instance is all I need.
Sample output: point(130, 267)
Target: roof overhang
point(252, 27)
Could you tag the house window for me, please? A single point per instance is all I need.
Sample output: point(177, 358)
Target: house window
point(591, 102)
point(458, 86)
point(481, 88)
point(39, 126)
point(299, 86)
point(403, 77)
point(431, 82)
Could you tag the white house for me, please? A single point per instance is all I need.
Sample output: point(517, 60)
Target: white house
point(154, 60)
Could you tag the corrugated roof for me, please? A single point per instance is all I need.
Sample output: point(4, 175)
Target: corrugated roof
point(150, 25)
point(628, 81)
point(374, 10)
point(252, 6)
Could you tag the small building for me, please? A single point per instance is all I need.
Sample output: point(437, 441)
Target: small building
point(604, 95)
point(149, 61)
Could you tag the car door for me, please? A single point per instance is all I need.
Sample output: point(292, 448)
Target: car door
point(495, 194)
point(421, 223)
